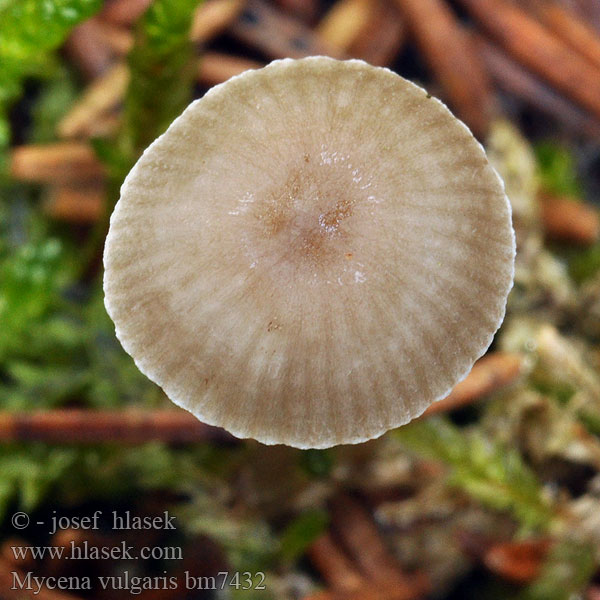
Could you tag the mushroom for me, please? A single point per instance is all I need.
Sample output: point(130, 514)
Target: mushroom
point(312, 254)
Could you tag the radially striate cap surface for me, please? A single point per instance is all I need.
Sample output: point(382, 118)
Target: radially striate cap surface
point(312, 254)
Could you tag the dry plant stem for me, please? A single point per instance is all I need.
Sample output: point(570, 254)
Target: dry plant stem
point(124, 12)
point(102, 95)
point(566, 220)
point(489, 374)
point(118, 39)
point(305, 10)
point(202, 558)
point(82, 204)
point(334, 566)
point(89, 116)
point(216, 68)
point(7, 555)
point(345, 582)
point(54, 566)
point(372, 591)
point(540, 50)
point(518, 81)
point(447, 49)
point(8, 593)
point(368, 29)
point(589, 10)
point(354, 527)
point(107, 91)
point(88, 426)
point(517, 561)
point(277, 35)
point(213, 17)
point(344, 22)
point(105, 125)
point(63, 162)
point(592, 593)
point(381, 40)
point(569, 27)
point(88, 49)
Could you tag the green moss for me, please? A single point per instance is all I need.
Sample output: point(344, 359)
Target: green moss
point(31, 30)
point(302, 532)
point(494, 475)
point(163, 72)
point(557, 169)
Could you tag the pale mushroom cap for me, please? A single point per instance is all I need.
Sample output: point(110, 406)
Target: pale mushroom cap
point(312, 254)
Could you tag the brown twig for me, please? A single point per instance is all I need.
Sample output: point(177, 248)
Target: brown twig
point(372, 30)
point(446, 47)
point(70, 538)
point(202, 557)
point(119, 39)
point(517, 561)
point(381, 40)
point(371, 591)
point(102, 95)
point(137, 426)
point(216, 67)
point(276, 34)
point(589, 10)
point(63, 162)
point(88, 49)
point(354, 527)
point(11, 590)
point(568, 27)
point(305, 10)
point(83, 204)
point(124, 12)
point(518, 81)
point(489, 374)
point(344, 22)
point(566, 220)
point(540, 50)
point(333, 565)
point(354, 561)
point(7, 554)
point(213, 17)
point(593, 593)
point(90, 426)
